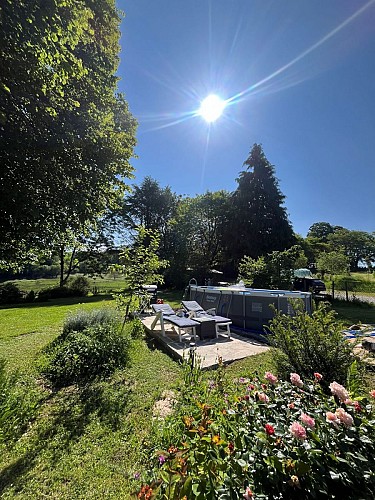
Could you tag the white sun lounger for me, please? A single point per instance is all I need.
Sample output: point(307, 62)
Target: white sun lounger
point(164, 313)
point(198, 312)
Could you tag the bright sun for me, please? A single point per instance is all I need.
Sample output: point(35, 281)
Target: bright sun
point(211, 108)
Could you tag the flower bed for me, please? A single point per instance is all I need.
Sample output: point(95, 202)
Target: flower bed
point(265, 439)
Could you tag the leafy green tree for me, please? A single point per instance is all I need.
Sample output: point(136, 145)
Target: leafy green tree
point(140, 265)
point(259, 222)
point(320, 230)
point(150, 206)
point(66, 136)
point(206, 220)
point(274, 270)
point(333, 263)
point(356, 245)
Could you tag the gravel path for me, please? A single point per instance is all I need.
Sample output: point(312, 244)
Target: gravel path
point(339, 294)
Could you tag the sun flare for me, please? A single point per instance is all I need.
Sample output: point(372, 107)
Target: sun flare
point(212, 108)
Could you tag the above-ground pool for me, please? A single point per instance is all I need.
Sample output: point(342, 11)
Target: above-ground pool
point(248, 308)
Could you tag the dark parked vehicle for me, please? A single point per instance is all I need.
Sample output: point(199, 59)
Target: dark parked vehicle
point(309, 285)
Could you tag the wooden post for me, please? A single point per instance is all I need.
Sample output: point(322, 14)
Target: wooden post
point(346, 291)
point(333, 290)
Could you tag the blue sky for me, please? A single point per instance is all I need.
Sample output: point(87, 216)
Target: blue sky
point(303, 72)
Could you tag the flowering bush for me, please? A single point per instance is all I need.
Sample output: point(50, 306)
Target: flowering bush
point(272, 440)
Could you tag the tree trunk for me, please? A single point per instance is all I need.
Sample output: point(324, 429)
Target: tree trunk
point(62, 255)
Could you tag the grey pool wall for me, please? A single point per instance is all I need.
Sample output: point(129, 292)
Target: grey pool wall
point(248, 308)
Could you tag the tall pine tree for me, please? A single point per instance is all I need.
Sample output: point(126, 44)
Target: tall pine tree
point(260, 223)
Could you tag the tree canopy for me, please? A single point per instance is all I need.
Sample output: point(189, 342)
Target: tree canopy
point(66, 136)
point(259, 222)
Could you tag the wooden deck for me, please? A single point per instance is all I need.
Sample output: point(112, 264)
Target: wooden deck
point(229, 349)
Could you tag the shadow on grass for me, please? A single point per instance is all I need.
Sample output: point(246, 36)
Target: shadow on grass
point(354, 311)
point(66, 416)
point(68, 301)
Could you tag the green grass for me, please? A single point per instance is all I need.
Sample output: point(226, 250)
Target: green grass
point(104, 285)
point(351, 313)
point(25, 329)
point(88, 442)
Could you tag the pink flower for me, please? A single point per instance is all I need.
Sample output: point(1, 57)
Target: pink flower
point(308, 421)
point(251, 387)
point(339, 391)
point(357, 406)
point(372, 394)
point(296, 380)
point(272, 379)
point(291, 406)
point(318, 377)
point(298, 431)
point(263, 397)
point(332, 418)
point(269, 429)
point(344, 417)
point(248, 494)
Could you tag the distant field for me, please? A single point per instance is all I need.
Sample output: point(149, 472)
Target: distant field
point(103, 285)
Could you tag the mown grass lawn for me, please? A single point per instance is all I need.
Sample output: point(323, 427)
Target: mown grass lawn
point(26, 328)
point(89, 442)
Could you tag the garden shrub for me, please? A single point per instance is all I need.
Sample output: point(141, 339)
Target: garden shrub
point(94, 349)
point(82, 319)
point(79, 286)
point(19, 398)
point(10, 294)
point(267, 439)
point(76, 287)
point(57, 292)
point(311, 343)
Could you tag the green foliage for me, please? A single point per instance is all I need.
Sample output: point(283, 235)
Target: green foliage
point(57, 292)
point(10, 293)
point(66, 136)
point(19, 399)
point(356, 245)
point(320, 230)
point(150, 206)
point(202, 223)
point(140, 265)
point(306, 344)
point(258, 219)
point(271, 439)
point(80, 286)
point(274, 270)
point(354, 284)
point(83, 319)
point(90, 346)
point(332, 263)
point(136, 329)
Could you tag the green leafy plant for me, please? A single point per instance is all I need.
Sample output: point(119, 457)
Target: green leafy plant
point(79, 286)
point(82, 319)
point(311, 343)
point(90, 345)
point(140, 266)
point(10, 294)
